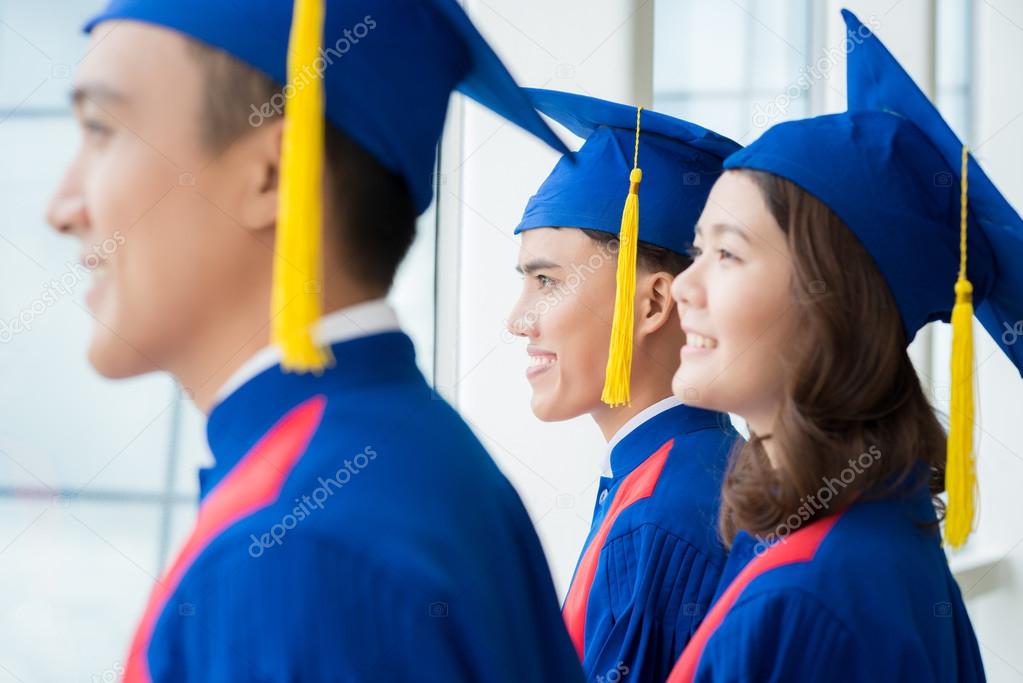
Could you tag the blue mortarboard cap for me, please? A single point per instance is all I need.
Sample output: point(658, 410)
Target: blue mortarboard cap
point(389, 67)
point(587, 189)
point(890, 168)
point(995, 229)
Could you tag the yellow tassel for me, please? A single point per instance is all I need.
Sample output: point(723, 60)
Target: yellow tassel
point(618, 375)
point(297, 302)
point(960, 465)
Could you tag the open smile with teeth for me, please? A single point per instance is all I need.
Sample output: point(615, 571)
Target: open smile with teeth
point(700, 342)
point(539, 362)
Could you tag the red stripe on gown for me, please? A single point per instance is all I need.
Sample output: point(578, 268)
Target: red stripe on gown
point(639, 484)
point(253, 483)
point(801, 546)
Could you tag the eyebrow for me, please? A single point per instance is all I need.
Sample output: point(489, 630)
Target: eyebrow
point(97, 92)
point(719, 228)
point(534, 265)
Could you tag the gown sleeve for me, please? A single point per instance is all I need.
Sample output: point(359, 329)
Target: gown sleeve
point(657, 589)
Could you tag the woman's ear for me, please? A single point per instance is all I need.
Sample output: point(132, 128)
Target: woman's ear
point(654, 305)
point(258, 163)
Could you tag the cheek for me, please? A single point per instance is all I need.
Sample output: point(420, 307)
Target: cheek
point(577, 332)
point(585, 327)
point(753, 319)
point(125, 184)
point(162, 273)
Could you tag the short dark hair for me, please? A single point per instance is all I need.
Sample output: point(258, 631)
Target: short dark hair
point(376, 219)
point(650, 258)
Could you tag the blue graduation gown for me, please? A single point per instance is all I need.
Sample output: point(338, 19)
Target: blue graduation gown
point(743, 549)
point(353, 529)
point(863, 595)
point(651, 562)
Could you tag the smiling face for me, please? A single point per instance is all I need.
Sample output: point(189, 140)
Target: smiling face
point(183, 236)
point(736, 306)
point(565, 311)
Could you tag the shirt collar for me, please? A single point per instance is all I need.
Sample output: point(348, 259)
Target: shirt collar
point(361, 320)
point(630, 426)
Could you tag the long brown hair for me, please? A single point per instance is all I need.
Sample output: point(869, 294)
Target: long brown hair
point(855, 422)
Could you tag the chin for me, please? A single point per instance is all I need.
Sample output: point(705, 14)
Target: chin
point(551, 409)
point(114, 358)
point(689, 391)
point(543, 410)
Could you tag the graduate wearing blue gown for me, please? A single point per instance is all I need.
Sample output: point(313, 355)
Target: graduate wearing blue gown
point(866, 594)
point(651, 561)
point(352, 528)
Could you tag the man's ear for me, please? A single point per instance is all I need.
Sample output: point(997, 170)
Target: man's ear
point(257, 156)
point(654, 305)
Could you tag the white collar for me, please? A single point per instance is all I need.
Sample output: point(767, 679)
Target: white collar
point(635, 421)
point(361, 320)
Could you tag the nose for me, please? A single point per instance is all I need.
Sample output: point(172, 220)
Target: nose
point(520, 322)
point(66, 211)
point(687, 288)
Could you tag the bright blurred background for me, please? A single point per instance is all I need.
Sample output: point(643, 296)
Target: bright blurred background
point(97, 479)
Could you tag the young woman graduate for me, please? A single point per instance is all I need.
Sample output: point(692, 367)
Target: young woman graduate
point(352, 528)
point(825, 246)
point(651, 561)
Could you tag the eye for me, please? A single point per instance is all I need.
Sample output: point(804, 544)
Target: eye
point(544, 281)
point(726, 255)
point(95, 129)
point(693, 251)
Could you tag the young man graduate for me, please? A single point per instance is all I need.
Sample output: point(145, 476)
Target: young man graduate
point(351, 528)
point(651, 562)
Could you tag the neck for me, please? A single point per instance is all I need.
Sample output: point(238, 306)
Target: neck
point(763, 426)
point(233, 342)
point(610, 420)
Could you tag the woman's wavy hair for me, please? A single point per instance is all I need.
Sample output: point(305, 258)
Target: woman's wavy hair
point(854, 422)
